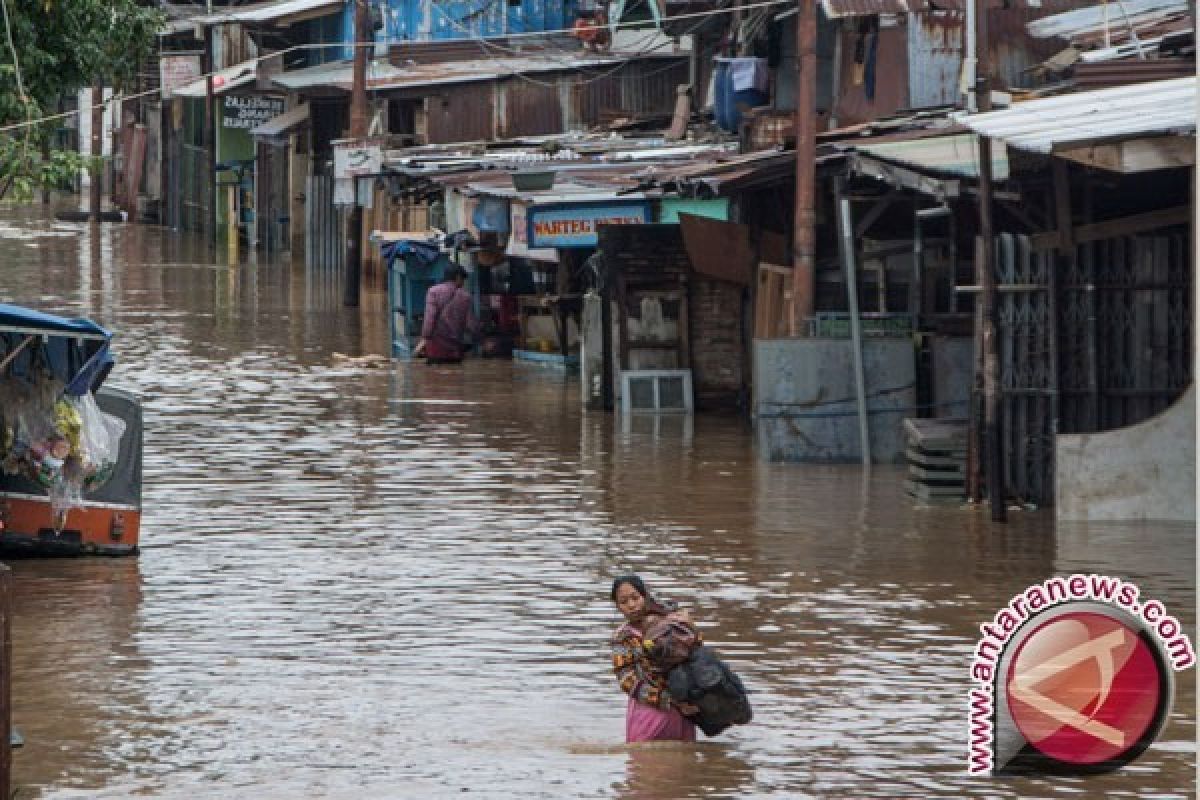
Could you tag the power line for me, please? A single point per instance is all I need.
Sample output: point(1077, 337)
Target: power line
point(352, 45)
point(534, 34)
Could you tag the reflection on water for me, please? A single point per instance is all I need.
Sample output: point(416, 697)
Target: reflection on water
point(365, 580)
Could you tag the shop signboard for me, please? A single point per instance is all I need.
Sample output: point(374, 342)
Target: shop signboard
point(518, 241)
point(249, 110)
point(574, 226)
point(176, 70)
point(353, 158)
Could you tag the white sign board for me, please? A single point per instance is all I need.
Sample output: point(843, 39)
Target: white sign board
point(357, 158)
point(177, 69)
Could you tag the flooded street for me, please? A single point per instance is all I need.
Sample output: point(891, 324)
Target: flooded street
point(363, 579)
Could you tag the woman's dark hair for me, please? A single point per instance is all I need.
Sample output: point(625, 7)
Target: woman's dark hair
point(453, 272)
point(632, 580)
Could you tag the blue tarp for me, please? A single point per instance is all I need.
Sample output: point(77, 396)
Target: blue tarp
point(426, 253)
point(74, 350)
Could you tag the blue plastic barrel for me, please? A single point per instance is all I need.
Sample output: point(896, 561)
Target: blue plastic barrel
point(728, 103)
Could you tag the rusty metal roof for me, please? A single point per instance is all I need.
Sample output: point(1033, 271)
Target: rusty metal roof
point(1057, 123)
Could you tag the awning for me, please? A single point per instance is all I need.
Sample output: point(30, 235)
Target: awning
point(74, 350)
point(284, 123)
point(956, 155)
point(223, 81)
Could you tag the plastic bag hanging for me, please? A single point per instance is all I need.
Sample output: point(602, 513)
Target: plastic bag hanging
point(99, 444)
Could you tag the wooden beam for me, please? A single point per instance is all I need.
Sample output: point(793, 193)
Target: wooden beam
point(872, 216)
point(1112, 228)
point(1137, 155)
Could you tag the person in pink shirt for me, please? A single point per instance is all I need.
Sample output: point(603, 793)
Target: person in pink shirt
point(651, 713)
point(449, 315)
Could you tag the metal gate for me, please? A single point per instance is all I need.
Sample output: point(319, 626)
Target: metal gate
point(1087, 341)
point(1126, 307)
point(324, 226)
point(1028, 385)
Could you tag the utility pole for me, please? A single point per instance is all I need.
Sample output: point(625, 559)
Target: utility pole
point(985, 269)
point(97, 150)
point(210, 135)
point(804, 233)
point(358, 129)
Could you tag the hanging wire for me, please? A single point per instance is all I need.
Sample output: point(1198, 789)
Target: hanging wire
point(300, 47)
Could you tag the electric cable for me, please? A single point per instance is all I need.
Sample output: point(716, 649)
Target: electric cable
point(353, 45)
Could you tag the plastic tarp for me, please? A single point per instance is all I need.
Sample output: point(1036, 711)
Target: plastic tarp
point(76, 351)
point(426, 253)
point(125, 486)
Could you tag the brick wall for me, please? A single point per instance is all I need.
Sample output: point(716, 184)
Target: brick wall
point(718, 343)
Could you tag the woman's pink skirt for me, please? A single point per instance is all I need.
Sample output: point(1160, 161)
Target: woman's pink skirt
point(645, 723)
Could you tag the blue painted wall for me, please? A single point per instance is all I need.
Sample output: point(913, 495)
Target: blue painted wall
point(441, 20)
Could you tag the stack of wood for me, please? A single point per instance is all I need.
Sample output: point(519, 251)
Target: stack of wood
point(937, 458)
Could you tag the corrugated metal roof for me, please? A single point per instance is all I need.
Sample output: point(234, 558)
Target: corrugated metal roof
point(284, 12)
point(485, 69)
point(1117, 17)
point(956, 155)
point(1072, 120)
point(385, 77)
point(334, 75)
point(837, 9)
point(223, 81)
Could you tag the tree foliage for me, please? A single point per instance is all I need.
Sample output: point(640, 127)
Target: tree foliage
point(61, 46)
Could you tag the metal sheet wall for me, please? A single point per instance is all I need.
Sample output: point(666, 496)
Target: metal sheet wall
point(459, 113)
point(891, 76)
point(529, 108)
point(424, 20)
point(935, 54)
point(324, 226)
point(639, 87)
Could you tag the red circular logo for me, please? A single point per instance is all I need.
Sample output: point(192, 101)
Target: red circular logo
point(1084, 689)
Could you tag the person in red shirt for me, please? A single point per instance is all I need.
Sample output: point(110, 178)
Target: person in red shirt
point(449, 315)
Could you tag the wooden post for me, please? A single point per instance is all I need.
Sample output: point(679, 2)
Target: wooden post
point(210, 137)
point(231, 221)
point(358, 129)
point(804, 233)
point(97, 150)
point(986, 273)
point(6, 601)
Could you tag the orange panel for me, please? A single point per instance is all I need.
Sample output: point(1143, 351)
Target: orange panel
point(97, 529)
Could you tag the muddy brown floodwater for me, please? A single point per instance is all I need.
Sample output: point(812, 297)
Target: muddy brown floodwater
point(391, 581)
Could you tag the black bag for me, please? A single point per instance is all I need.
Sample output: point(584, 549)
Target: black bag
point(708, 683)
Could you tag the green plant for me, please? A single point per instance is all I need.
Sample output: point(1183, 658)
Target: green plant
point(60, 47)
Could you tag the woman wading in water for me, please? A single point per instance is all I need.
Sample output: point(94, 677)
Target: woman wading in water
point(651, 713)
